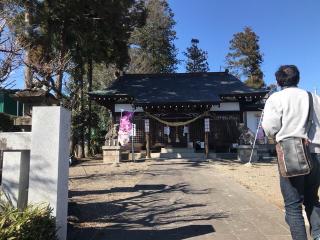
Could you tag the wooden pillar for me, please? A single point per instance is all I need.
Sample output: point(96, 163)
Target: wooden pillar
point(206, 135)
point(206, 144)
point(148, 145)
point(147, 131)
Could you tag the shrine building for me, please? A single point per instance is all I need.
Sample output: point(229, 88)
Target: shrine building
point(180, 110)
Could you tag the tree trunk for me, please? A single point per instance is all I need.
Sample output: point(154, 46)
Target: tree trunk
point(58, 84)
point(27, 70)
point(59, 78)
point(89, 77)
point(82, 130)
point(81, 107)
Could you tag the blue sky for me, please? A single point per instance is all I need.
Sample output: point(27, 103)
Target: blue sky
point(289, 32)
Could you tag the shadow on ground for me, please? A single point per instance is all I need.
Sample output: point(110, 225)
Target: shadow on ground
point(152, 211)
point(166, 234)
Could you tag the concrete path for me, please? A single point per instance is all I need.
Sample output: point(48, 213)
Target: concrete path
point(179, 199)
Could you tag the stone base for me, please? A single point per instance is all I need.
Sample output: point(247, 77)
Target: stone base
point(111, 154)
point(244, 153)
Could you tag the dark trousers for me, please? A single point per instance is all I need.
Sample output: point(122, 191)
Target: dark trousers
point(303, 190)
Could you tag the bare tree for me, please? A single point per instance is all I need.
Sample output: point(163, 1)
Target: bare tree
point(44, 72)
point(10, 53)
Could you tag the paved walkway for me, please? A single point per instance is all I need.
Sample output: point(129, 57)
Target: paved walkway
point(180, 199)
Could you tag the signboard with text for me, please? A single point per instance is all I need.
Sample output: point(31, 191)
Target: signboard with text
point(207, 125)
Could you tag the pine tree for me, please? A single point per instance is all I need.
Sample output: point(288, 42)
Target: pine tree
point(80, 31)
point(244, 59)
point(196, 58)
point(152, 46)
point(93, 30)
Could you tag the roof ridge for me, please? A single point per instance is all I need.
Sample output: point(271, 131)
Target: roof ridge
point(170, 74)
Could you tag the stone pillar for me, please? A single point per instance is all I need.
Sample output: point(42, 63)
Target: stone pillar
point(15, 177)
point(244, 153)
point(111, 154)
point(49, 166)
point(15, 169)
point(24, 180)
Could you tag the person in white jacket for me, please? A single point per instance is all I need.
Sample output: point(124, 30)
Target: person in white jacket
point(285, 115)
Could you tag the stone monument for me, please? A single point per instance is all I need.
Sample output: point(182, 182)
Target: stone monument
point(35, 164)
point(246, 140)
point(111, 150)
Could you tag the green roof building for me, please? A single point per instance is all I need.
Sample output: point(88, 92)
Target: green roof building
point(8, 105)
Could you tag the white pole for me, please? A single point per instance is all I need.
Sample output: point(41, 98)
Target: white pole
point(132, 135)
point(121, 111)
point(255, 138)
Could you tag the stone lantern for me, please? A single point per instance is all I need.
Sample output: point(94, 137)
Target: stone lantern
point(30, 98)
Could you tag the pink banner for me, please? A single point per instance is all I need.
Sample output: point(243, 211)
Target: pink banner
point(125, 128)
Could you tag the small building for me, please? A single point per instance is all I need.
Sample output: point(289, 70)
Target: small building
point(8, 105)
point(179, 108)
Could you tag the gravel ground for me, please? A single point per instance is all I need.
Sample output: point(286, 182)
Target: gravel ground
point(93, 184)
point(155, 200)
point(93, 175)
point(261, 178)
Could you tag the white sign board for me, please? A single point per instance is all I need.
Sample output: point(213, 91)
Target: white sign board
point(185, 130)
point(207, 125)
point(166, 130)
point(146, 125)
point(133, 130)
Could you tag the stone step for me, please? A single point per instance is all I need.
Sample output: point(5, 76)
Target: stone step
point(181, 155)
point(177, 155)
point(177, 150)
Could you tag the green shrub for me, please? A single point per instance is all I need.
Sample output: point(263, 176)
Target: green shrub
point(6, 122)
point(33, 223)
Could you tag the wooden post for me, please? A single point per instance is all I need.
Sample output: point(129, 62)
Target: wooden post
point(132, 149)
point(206, 144)
point(206, 136)
point(147, 131)
point(148, 145)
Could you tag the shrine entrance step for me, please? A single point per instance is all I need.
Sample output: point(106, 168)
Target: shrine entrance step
point(174, 153)
point(177, 150)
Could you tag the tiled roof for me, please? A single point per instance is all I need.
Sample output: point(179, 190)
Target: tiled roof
point(177, 87)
